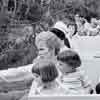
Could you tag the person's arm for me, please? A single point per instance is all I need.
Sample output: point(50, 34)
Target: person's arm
point(16, 74)
point(86, 83)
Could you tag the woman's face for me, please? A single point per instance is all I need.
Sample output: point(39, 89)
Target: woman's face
point(71, 30)
point(43, 50)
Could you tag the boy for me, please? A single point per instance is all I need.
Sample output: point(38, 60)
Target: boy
point(72, 78)
point(46, 80)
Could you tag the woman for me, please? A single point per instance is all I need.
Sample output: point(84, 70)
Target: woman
point(65, 34)
point(60, 30)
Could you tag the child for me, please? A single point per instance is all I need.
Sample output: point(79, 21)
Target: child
point(46, 82)
point(72, 78)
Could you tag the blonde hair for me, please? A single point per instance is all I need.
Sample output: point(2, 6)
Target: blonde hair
point(51, 41)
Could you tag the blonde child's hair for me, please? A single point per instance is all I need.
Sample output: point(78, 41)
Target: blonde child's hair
point(50, 40)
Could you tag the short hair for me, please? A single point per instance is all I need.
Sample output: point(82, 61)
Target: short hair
point(97, 88)
point(70, 57)
point(47, 71)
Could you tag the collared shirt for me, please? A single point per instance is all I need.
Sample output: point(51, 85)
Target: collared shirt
point(75, 82)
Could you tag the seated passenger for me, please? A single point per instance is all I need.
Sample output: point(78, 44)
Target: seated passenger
point(72, 78)
point(46, 82)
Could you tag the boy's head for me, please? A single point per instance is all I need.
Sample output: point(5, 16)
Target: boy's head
point(46, 70)
point(68, 60)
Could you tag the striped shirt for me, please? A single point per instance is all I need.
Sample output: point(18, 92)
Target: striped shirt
point(75, 82)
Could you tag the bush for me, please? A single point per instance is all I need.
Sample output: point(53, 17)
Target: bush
point(16, 56)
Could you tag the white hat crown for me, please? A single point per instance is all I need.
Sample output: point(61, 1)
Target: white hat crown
point(61, 26)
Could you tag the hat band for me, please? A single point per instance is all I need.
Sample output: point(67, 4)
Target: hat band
point(58, 33)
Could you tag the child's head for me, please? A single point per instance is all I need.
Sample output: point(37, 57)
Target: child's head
point(68, 61)
point(98, 88)
point(46, 70)
point(47, 42)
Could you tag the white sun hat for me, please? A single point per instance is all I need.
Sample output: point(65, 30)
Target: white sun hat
point(61, 26)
